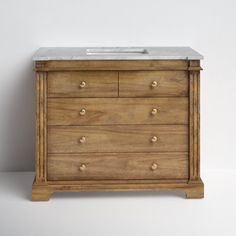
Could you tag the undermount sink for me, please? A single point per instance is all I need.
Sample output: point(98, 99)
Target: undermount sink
point(115, 51)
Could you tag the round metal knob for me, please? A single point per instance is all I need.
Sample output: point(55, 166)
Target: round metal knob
point(154, 111)
point(154, 139)
point(82, 112)
point(82, 167)
point(82, 84)
point(154, 84)
point(82, 140)
point(154, 166)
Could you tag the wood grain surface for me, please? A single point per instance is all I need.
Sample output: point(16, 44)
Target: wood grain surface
point(97, 84)
point(117, 166)
point(194, 126)
point(41, 127)
point(139, 83)
point(122, 138)
point(95, 129)
point(121, 65)
point(102, 111)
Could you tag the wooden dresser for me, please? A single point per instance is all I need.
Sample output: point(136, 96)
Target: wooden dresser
point(117, 119)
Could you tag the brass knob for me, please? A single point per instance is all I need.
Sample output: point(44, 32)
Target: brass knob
point(82, 167)
point(154, 139)
point(154, 84)
point(82, 84)
point(154, 166)
point(82, 112)
point(154, 111)
point(82, 139)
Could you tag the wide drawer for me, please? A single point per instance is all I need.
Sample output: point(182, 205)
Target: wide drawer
point(83, 84)
point(121, 138)
point(117, 166)
point(153, 83)
point(103, 111)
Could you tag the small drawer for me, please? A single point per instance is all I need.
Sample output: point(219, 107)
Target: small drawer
point(117, 166)
point(117, 138)
point(153, 84)
point(103, 111)
point(83, 84)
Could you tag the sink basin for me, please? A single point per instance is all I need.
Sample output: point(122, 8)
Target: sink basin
point(116, 51)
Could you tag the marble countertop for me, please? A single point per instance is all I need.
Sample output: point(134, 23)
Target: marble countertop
point(116, 53)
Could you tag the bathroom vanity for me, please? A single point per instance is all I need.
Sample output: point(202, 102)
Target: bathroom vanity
point(117, 119)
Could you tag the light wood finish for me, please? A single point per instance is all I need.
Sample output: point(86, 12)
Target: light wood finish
point(153, 83)
point(41, 127)
point(102, 111)
point(135, 126)
point(122, 138)
point(118, 166)
point(194, 126)
point(83, 84)
point(118, 181)
point(116, 65)
point(43, 192)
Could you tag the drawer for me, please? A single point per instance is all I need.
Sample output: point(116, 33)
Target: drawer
point(117, 166)
point(83, 84)
point(153, 83)
point(121, 138)
point(102, 111)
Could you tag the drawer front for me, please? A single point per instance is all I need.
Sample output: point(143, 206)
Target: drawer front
point(122, 138)
point(153, 83)
point(117, 166)
point(102, 111)
point(83, 84)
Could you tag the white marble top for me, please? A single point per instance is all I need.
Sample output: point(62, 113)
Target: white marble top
point(116, 53)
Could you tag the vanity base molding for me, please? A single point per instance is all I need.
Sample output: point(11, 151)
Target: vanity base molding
point(44, 191)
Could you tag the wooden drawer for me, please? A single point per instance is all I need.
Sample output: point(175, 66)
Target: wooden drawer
point(153, 83)
point(122, 138)
point(83, 84)
point(101, 111)
point(98, 166)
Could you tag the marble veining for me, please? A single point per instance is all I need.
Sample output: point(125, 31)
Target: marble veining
point(116, 53)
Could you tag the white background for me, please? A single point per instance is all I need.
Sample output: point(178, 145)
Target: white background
point(118, 214)
point(208, 26)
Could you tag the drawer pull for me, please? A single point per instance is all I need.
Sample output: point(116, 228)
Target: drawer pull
point(82, 84)
point(82, 140)
point(154, 139)
point(154, 111)
point(82, 167)
point(154, 84)
point(154, 166)
point(82, 112)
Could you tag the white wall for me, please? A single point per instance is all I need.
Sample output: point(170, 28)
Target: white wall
point(207, 26)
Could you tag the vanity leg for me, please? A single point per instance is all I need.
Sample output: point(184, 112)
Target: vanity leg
point(41, 193)
point(195, 191)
